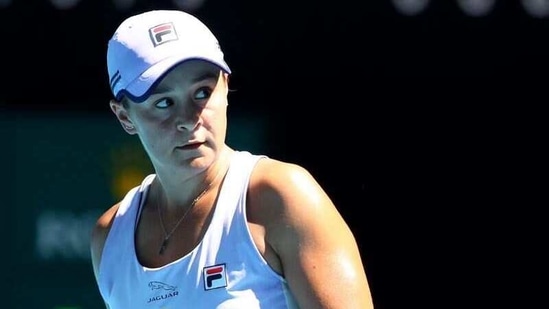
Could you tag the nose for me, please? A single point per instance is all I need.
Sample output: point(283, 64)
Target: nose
point(189, 119)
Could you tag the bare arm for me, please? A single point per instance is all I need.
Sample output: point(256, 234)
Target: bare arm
point(98, 237)
point(317, 250)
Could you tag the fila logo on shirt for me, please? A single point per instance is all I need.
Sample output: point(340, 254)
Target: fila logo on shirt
point(163, 33)
point(215, 277)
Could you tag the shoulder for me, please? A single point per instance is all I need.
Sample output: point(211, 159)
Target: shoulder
point(99, 235)
point(285, 177)
point(286, 191)
point(104, 222)
point(279, 178)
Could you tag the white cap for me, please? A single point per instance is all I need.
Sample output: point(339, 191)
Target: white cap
point(147, 45)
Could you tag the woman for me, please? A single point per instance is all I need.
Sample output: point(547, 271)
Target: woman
point(213, 227)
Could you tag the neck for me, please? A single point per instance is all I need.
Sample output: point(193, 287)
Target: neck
point(177, 193)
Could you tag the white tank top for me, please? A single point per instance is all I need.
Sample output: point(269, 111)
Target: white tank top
point(224, 271)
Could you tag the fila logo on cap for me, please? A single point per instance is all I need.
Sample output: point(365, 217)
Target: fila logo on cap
point(215, 277)
point(163, 33)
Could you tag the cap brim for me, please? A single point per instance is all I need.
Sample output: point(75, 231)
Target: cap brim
point(139, 89)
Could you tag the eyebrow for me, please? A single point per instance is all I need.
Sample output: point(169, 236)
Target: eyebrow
point(204, 76)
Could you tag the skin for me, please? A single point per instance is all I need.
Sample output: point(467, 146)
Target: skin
point(294, 223)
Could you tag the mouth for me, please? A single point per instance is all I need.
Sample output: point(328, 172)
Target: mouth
point(190, 146)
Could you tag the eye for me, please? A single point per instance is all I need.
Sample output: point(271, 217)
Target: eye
point(203, 93)
point(163, 103)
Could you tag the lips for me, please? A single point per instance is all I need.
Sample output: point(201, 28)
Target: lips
point(190, 146)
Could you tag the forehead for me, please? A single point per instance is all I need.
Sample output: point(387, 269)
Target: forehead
point(185, 74)
point(192, 70)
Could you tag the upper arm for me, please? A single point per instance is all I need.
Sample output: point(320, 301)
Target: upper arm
point(318, 251)
point(98, 237)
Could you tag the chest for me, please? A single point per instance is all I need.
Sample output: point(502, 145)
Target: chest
point(163, 238)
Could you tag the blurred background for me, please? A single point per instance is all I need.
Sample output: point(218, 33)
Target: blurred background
point(399, 108)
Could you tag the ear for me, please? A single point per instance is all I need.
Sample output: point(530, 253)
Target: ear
point(123, 117)
point(226, 81)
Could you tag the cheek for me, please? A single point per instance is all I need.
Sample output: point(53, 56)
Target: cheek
point(153, 136)
point(150, 142)
point(154, 124)
point(215, 118)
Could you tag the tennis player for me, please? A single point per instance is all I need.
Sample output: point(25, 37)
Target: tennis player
point(213, 227)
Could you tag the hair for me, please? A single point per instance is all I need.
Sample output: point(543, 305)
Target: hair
point(126, 103)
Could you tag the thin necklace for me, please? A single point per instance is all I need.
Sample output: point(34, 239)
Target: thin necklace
point(168, 235)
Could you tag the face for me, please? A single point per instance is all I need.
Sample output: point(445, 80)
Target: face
point(183, 123)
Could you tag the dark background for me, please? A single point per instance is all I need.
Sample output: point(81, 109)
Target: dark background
point(407, 121)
